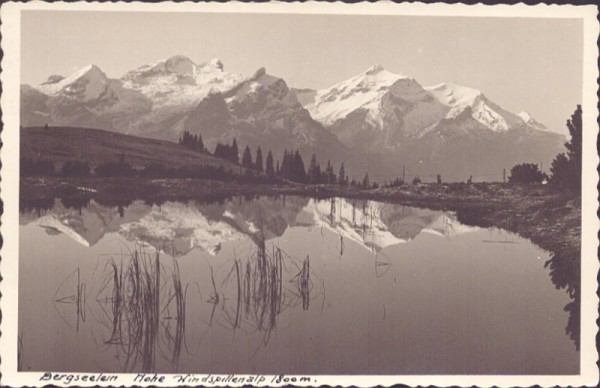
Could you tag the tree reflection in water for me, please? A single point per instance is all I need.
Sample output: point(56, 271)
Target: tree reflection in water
point(565, 272)
point(143, 300)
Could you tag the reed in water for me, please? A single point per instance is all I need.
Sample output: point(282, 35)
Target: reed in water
point(148, 311)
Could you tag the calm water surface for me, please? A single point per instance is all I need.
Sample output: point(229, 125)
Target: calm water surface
point(286, 285)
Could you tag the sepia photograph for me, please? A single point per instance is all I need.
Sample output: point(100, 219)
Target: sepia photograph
point(212, 195)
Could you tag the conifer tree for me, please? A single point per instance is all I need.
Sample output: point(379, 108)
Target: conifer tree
point(526, 173)
point(321, 177)
point(330, 174)
point(342, 180)
point(258, 164)
point(560, 170)
point(247, 158)
point(299, 173)
point(574, 146)
point(314, 171)
point(218, 150)
point(566, 169)
point(285, 165)
point(234, 153)
point(365, 182)
point(200, 143)
point(269, 164)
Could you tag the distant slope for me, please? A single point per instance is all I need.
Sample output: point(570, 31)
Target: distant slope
point(97, 146)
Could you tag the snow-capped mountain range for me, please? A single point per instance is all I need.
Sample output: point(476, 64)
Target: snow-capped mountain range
point(374, 121)
point(395, 107)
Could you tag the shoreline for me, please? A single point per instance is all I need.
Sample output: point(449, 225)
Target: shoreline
point(550, 219)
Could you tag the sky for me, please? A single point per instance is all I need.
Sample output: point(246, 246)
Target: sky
point(522, 64)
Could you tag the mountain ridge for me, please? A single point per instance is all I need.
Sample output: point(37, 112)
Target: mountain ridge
point(373, 121)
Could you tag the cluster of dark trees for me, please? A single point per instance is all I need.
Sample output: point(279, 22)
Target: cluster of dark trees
point(526, 173)
point(223, 151)
point(327, 176)
point(227, 152)
point(257, 164)
point(395, 183)
point(193, 142)
point(291, 167)
point(565, 172)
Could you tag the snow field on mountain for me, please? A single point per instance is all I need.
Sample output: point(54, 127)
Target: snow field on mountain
point(87, 83)
point(364, 90)
point(159, 91)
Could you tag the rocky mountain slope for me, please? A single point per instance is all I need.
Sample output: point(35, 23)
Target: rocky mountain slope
point(445, 129)
point(377, 121)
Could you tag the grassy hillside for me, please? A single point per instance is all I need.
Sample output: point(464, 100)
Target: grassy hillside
point(96, 147)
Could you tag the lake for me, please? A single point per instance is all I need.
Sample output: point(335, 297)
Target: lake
point(286, 285)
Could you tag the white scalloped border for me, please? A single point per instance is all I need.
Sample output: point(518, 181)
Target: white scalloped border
point(9, 154)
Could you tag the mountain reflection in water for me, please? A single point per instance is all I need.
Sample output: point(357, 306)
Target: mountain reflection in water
point(199, 287)
point(177, 227)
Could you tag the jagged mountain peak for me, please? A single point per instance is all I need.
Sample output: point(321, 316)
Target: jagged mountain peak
point(380, 71)
point(177, 84)
point(180, 64)
point(177, 64)
point(376, 68)
point(376, 75)
point(260, 80)
point(54, 78)
point(216, 63)
point(263, 77)
point(459, 98)
point(90, 72)
point(364, 91)
point(376, 112)
point(525, 116)
point(86, 84)
point(260, 72)
point(179, 69)
point(530, 121)
point(266, 79)
point(177, 58)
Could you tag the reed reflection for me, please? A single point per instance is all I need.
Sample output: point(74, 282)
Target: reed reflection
point(140, 302)
point(252, 268)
